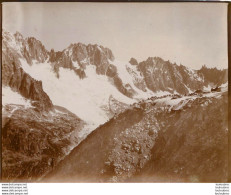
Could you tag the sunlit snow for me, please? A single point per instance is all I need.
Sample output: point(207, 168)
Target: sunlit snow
point(84, 97)
point(11, 97)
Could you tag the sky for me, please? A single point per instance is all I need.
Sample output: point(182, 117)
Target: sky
point(192, 34)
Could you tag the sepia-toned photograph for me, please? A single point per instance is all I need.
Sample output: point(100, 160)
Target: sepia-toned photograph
point(114, 92)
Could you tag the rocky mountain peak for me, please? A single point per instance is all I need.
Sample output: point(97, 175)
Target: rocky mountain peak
point(78, 55)
point(36, 50)
point(18, 36)
point(10, 43)
point(133, 61)
point(155, 60)
point(166, 76)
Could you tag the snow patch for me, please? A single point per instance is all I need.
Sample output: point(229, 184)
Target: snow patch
point(99, 48)
point(76, 64)
point(11, 97)
point(175, 104)
point(207, 89)
point(189, 90)
point(161, 93)
point(224, 84)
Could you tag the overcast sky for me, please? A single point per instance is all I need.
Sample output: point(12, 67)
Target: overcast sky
point(189, 33)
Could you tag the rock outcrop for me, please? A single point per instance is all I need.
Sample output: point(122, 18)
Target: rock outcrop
point(30, 89)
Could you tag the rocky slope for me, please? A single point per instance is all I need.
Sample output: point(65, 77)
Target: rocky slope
point(33, 143)
point(168, 139)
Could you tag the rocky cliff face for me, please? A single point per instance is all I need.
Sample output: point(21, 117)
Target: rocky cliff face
point(163, 75)
point(30, 89)
point(168, 139)
point(78, 56)
point(15, 47)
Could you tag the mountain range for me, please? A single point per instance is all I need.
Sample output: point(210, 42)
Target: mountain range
point(52, 100)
